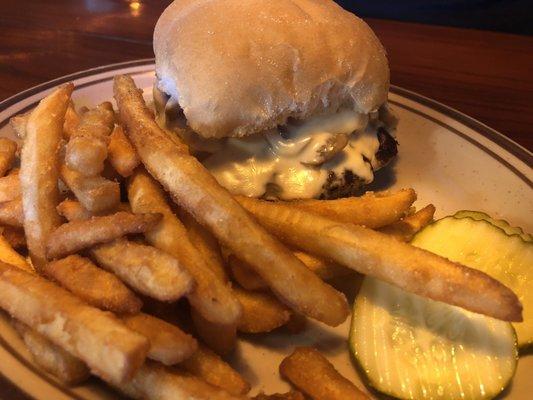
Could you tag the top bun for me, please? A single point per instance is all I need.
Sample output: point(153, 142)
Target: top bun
point(238, 67)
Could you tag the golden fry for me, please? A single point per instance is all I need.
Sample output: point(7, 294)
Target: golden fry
point(97, 287)
point(95, 193)
point(8, 151)
point(292, 395)
point(208, 366)
point(314, 375)
point(72, 210)
point(39, 171)
point(168, 343)
point(74, 236)
point(9, 256)
point(11, 213)
point(248, 279)
point(99, 339)
point(146, 269)
point(211, 296)
point(9, 187)
point(383, 257)
point(221, 338)
point(47, 355)
point(155, 382)
point(372, 210)
point(72, 119)
point(261, 312)
point(408, 226)
point(15, 237)
point(243, 274)
point(86, 149)
point(325, 269)
point(121, 154)
point(195, 189)
point(52, 358)
point(218, 337)
point(206, 244)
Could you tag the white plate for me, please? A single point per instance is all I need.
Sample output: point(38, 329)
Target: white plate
point(451, 160)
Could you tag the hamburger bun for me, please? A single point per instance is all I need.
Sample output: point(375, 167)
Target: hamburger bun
point(238, 68)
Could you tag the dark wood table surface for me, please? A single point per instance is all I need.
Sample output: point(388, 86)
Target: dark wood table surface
point(486, 75)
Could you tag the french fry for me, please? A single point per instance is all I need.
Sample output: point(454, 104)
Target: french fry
point(244, 275)
point(407, 227)
point(39, 171)
point(72, 210)
point(97, 194)
point(248, 279)
point(8, 151)
point(383, 257)
point(218, 337)
point(211, 296)
point(325, 269)
point(206, 244)
point(72, 119)
point(168, 343)
point(372, 210)
point(261, 312)
point(74, 236)
point(9, 256)
point(121, 154)
point(52, 358)
point(9, 187)
point(86, 149)
point(195, 189)
point(314, 375)
point(11, 213)
point(208, 366)
point(292, 395)
point(46, 354)
point(18, 123)
point(155, 382)
point(97, 287)
point(14, 236)
point(146, 269)
point(100, 340)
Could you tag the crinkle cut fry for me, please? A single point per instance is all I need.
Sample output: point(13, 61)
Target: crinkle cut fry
point(98, 338)
point(384, 257)
point(195, 189)
point(39, 171)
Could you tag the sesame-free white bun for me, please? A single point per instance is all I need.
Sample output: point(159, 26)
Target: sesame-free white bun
point(238, 67)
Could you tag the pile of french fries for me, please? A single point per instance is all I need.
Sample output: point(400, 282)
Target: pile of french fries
point(142, 270)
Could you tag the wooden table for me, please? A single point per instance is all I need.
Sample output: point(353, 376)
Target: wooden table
point(486, 75)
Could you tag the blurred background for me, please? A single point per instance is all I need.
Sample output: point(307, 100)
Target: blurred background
point(474, 55)
point(514, 16)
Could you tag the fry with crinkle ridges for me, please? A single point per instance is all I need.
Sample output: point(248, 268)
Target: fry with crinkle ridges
point(39, 171)
point(77, 235)
point(197, 191)
point(98, 338)
point(383, 257)
point(211, 297)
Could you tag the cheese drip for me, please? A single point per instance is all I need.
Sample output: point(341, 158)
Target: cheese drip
point(286, 162)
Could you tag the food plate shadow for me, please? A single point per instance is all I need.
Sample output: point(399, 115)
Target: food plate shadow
point(317, 335)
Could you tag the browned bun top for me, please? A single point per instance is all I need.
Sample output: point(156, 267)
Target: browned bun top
point(239, 67)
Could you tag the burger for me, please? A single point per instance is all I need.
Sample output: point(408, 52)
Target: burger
point(281, 99)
